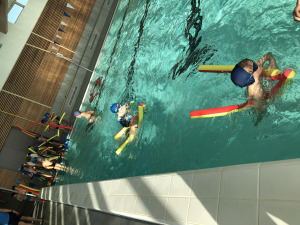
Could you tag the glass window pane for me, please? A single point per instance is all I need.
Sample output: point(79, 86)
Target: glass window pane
point(23, 2)
point(14, 13)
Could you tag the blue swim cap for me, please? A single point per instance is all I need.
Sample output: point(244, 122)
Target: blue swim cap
point(114, 108)
point(77, 113)
point(241, 77)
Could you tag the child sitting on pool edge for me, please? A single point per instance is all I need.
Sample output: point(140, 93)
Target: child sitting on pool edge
point(124, 118)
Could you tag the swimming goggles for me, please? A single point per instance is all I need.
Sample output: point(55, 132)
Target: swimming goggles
point(251, 79)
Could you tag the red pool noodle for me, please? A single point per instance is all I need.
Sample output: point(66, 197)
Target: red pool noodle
point(228, 109)
point(30, 190)
point(60, 126)
point(219, 110)
point(34, 123)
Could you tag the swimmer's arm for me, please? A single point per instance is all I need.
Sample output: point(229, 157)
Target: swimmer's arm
point(296, 11)
point(90, 112)
point(5, 210)
point(268, 57)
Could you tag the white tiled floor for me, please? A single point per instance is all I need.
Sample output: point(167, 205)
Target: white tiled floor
point(279, 212)
point(254, 194)
point(203, 211)
point(206, 184)
point(239, 183)
point(233, 211)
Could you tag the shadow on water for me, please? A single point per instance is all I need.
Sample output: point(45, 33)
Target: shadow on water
point(136, 48)
point(193, 55)
point(113, 52)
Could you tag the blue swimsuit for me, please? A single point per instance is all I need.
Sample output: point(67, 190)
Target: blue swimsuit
point(124, 122)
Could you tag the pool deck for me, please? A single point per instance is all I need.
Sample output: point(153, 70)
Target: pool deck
point(79, 73)
point(62, 214)
point(250, 194)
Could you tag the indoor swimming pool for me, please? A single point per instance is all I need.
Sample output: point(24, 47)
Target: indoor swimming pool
point(151, 55)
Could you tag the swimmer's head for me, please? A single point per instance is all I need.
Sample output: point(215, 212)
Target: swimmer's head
point(242, 73)
point(77, 113)
point(114, 108)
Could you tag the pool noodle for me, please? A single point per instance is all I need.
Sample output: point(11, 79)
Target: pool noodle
point(220, 111)
point(60, 126)
point(216, 68)
point(34, 123)
point(33, 190)
point(26, 132)
point(121, 133)
point(273, 74)
point(141, 109)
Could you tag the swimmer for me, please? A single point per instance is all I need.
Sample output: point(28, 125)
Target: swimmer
point(19, 190)
point(32, 170)
point(8, 216)
point(89, 115)
point(22, 197)
point(247, 73)
point(124, 118)
point(36, 160)
point(296, 13)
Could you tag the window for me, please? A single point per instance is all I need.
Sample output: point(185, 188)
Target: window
point(23, 2)
point(16, 10)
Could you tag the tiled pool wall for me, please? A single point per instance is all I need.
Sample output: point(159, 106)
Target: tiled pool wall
point(260, 193)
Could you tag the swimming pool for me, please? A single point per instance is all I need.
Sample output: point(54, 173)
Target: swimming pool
point(152, 53)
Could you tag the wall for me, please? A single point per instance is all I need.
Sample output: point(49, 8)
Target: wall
point(18, 33)
point(37, 75)
point(14, 150)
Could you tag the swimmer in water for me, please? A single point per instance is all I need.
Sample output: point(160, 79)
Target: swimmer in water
point(124, 117)
point(89, 115)
point(247, 73)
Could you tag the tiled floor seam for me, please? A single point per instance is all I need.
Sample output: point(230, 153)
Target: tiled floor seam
point(162, 196)
point(166, 209)
point(51, 212)
point(258, 192)
point(189, 204)
point(218, 205)
point(276, 165)
point(167, 197)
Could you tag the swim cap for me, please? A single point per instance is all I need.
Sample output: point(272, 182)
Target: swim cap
point(241, 77)
point(114, 108)
point(77, 113)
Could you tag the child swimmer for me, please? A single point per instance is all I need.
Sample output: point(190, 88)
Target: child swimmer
point(124, 117)
point(89, 115)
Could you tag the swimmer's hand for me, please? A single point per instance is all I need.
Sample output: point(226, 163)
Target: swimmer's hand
point(15, 212)
point(296, 13)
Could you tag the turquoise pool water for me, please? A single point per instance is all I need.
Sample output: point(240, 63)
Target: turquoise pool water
point(152, 53)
